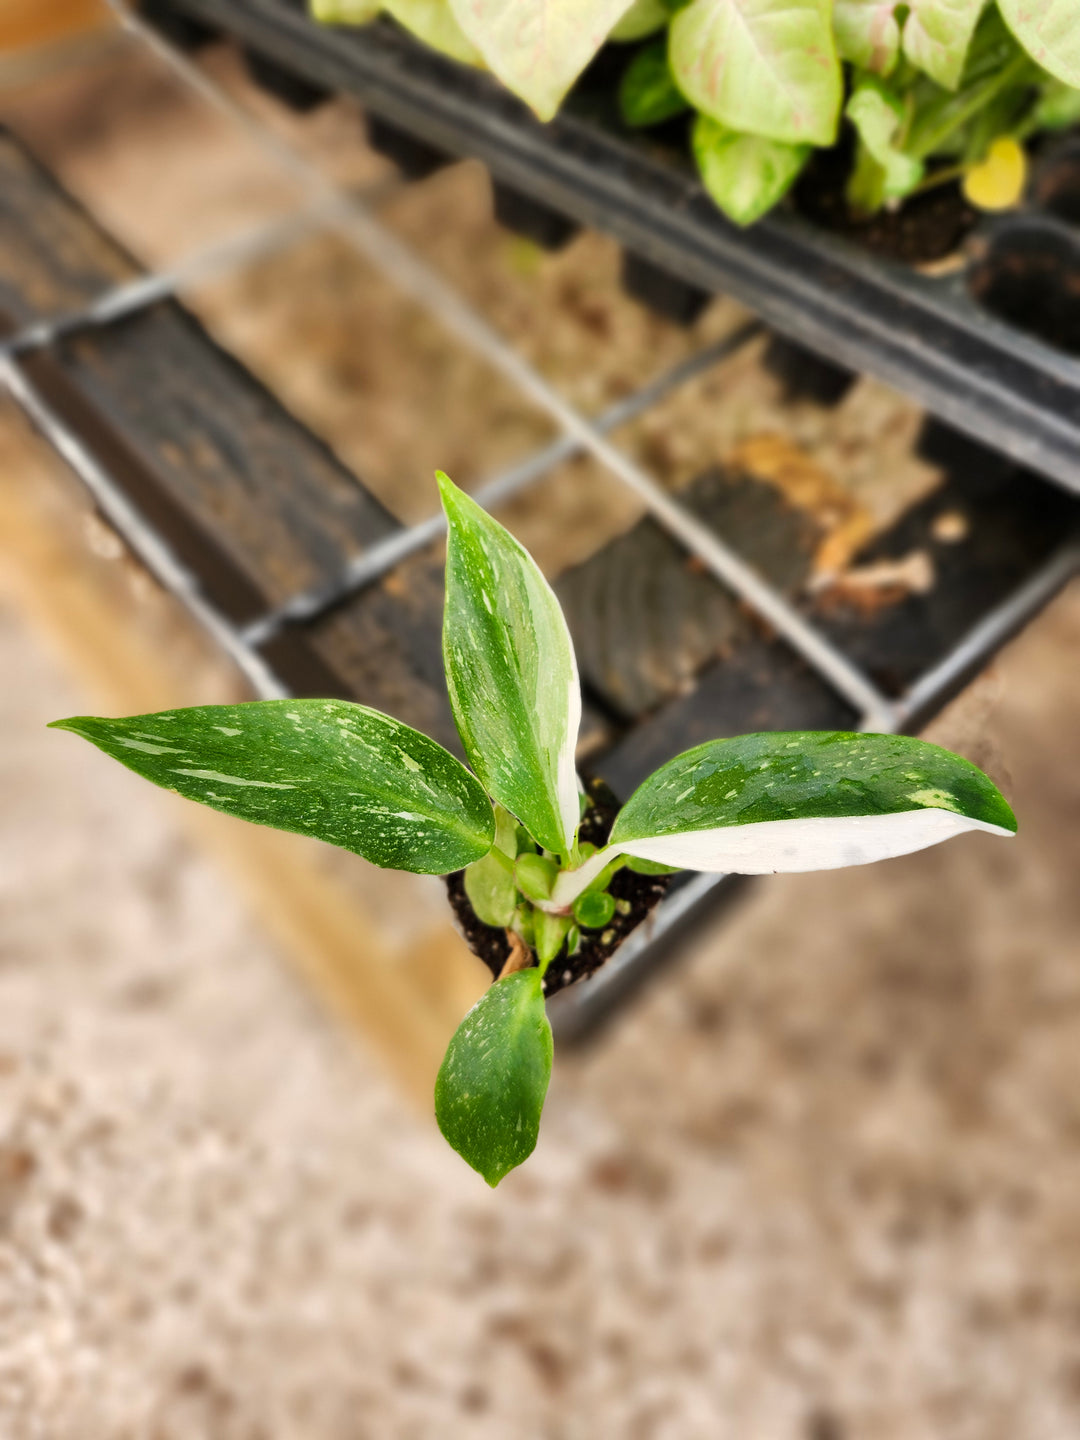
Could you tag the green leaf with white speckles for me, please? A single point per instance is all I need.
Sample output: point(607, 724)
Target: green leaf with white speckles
point(788, 801)
point(511, 673)
point(339, 772)
point(814, 801)
point(491, 1086)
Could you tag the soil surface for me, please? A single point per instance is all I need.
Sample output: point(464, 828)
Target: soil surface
point(640, 894)
point(924, 228)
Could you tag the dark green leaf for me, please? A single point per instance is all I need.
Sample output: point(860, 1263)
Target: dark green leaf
point(491, 1087)
point(340, 772)
point(648, 94)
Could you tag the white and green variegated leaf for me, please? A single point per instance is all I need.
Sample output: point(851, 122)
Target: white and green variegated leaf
point(878, 115)
point(434, 22)
point(758, 804)
point(490, 1090)
point(937, 34)
point(867, 33)
point(538, 48)
point(344, 12)
point(745, 174)
point(643, 18)
point(758, 66)
point(1049, 30)
point(326, 768)
point(511, 673)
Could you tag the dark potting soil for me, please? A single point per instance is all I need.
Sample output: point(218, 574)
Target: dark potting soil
point(924, 228)
point(641, 893)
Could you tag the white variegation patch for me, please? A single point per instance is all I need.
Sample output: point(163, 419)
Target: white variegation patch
point(784, 846)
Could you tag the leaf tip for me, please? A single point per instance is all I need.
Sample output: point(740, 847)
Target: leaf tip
point(74, 723)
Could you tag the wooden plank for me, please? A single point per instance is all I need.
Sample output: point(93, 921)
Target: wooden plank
point(909, 597)
point(252, 501)
point(53, 258)
point(647, 617)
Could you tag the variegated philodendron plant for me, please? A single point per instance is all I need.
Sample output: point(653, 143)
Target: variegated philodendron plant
point(364, 781)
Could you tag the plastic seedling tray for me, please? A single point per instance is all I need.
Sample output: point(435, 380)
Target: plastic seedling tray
point(987, 337)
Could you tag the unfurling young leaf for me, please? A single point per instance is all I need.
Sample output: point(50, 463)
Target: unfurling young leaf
point(538, 48)
point(594, 909)
point(511, 673)
point(491, 1086)
point(648, 94)
point(433, 22)
point(1049, 30)
point(339, 772)
point(745, 174)
point(760, 67)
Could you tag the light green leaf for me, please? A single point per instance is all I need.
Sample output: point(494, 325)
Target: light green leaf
point(489, 884)
point(745, 174)
point(817, 801)
point(535, 875)
point(340, 772)
point(538, 48)
point(937, 34)
point(433, 22)
point(761, 67)
point(550, 931)
point(594, 909)
point(344, 12)
point(648, 94)
point(1049, 31)
point(643, 17)
point(511, 673)
point(878, 116)
point(867, 33)
point(490, 1090)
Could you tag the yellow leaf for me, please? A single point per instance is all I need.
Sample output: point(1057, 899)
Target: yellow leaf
point(998, 182)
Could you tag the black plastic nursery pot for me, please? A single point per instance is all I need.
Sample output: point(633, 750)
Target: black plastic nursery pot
point(914, 299)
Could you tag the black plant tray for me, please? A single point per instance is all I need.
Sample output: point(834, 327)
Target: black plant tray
point(990, 342)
